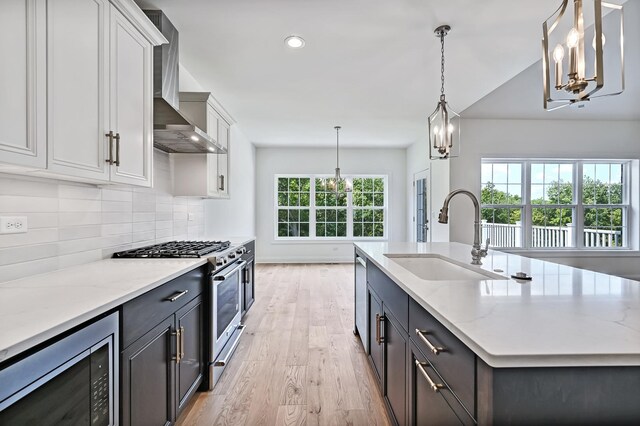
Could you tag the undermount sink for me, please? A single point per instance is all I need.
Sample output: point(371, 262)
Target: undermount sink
point(434, 268)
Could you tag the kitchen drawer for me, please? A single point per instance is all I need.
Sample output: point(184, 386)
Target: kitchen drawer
point(455, 363)
point(149, 309)
point(394, 298)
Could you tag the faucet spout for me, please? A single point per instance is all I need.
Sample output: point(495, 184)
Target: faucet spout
point(477, 252)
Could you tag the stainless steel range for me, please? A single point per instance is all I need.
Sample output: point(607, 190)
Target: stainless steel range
point(226, 269)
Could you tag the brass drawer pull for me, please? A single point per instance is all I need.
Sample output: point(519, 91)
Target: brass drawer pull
point(176, 296)
point(379, 338)
point(178, 334)
point(110, 136)
point(433, 385)
point(435, 349)
point(117, 137)
point(181, 334)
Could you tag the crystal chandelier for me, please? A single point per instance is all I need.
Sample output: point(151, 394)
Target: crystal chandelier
point(338, 183)
point(578, 72)
point(444, 123)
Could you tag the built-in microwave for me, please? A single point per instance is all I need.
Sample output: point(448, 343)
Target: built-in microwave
point(73, 381)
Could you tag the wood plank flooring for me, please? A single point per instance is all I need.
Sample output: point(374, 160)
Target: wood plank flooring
point(298, 362)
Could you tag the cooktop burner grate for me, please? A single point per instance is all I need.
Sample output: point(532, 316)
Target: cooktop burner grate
point(175, 249)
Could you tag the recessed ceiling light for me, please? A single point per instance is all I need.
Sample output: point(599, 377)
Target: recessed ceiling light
point(195, 138)
point(294, 42)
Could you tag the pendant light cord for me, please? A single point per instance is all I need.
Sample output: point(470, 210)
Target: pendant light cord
point(442, 34)
point(337, 146)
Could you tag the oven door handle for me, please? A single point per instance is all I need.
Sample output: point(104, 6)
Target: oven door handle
point(221, 277)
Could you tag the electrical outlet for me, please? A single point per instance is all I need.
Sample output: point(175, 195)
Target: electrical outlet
point(13, 224)
point(190, 216)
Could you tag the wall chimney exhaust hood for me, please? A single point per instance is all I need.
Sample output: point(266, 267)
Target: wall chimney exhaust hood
point(172, 131)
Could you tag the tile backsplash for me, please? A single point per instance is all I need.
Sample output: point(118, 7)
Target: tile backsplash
point(71, 223)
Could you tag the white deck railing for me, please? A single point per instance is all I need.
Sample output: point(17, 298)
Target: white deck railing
point(510, 235)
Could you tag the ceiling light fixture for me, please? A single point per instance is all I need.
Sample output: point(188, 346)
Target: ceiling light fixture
point(294, 42)
point(582, 75)
point(338, 183)
point(444, 123)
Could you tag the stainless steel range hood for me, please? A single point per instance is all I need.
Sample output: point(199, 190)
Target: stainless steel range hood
point(172, 131)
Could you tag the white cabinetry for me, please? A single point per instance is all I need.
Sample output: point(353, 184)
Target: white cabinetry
point(22, 83)
point(204, 175)
point(98, 57)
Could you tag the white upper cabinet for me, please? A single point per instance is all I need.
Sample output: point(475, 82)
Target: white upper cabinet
point(89, 116)
point(204, 175)
point(22, 83)
point(131, 117)
point(78, 87)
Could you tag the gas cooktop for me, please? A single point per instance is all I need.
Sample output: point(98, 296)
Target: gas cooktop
point(175, 249)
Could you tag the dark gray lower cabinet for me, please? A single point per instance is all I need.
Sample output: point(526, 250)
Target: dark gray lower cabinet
point(395, 368)
point(190, 369)
point(162, 367)
point(147, 378)
point(376, 349)
point(431, 402)
point(248, 285)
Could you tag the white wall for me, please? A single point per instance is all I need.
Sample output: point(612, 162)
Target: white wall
point(438, 181)
point(272, 161)
point(235, 216)
point(541, 139)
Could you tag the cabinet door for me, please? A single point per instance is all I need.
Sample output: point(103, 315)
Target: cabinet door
point(395, 368)
point(147, 391)
point(223, 159)
point(429, 406)
point(23, 83)
point(375, 338)
point(131, 96)
point(190, 369)
point(77, 85)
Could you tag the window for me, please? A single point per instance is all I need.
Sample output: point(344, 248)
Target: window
point(555, 203)
point(307, 209)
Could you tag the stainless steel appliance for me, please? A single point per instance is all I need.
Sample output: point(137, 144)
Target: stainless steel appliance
point(227, 277)
point(173, 132)
point(360, 296)
point(72, 381)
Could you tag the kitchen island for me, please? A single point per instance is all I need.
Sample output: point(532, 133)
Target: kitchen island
point(563, 347)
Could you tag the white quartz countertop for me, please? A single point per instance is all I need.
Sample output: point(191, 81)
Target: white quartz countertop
point(564, 317)
point(36, 308)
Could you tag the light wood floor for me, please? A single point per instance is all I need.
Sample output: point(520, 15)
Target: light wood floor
point(298, 362)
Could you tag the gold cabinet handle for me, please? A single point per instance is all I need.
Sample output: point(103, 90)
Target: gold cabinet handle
point(435, 349)
point(178, 334)
point(379, 338)
point(181, 334)
point(110, 136)
point(117, 137)
point(433, 385)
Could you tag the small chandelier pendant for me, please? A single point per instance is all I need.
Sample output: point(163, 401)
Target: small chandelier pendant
point(338, 183)
point(574, 70)
point(444, 123)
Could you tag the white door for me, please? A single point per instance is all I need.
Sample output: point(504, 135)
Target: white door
point(131, 97)
point(77, 51)
point(23, 83)
point(421, 197)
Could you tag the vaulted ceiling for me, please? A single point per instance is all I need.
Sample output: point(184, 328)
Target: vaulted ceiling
point(372, 66)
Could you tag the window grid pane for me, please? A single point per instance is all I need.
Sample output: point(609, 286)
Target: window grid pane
point(368, 207)
point(553, 197)
point(293, 206)
point(308, 206)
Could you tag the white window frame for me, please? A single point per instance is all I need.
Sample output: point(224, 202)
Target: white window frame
point(312, 209)
point(577, 205)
